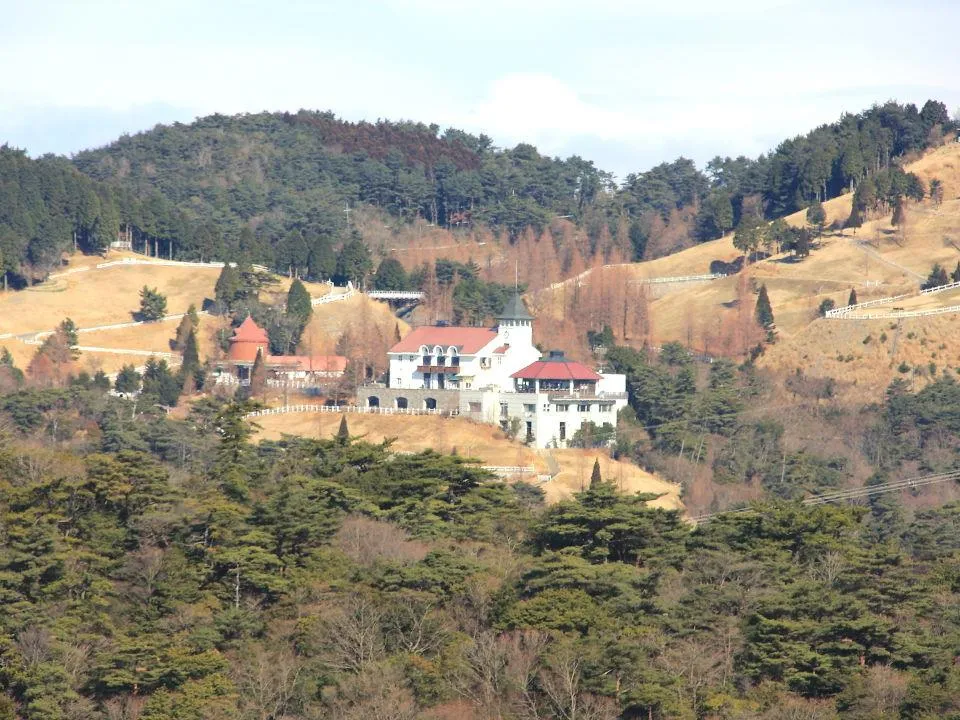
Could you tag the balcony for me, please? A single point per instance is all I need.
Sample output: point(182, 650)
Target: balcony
point(567, 395)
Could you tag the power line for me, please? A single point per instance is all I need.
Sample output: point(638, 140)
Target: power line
point(852, 493)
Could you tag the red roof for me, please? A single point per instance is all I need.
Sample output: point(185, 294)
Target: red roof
point(249, 331)
point(556, 370)
point(501, 350)
point(467, 340)
point(247, 340)
point(309, 363)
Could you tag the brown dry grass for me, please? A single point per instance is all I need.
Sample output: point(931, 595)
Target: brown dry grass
point(577, 465)
point(477, 440)
point(412, 433)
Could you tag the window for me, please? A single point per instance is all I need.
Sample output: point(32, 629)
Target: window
point(455, 361)
point(529, 431)
point(529, 407)
point(426, 360)
point(441, 360)
point(503, 410)
point(562, 407)
point(584, 407)
point(605, 408)
point(485, 363)
point(475, 407)
point(563, 431)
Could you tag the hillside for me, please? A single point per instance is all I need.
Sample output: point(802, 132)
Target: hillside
point(715, 316)
point(95, 298)
point(484, 442)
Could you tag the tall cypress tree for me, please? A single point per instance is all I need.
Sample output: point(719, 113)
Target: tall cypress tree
point(852, 300)
point(343, 432)
point(595, 477)
point(191, 357)
point(763, 312)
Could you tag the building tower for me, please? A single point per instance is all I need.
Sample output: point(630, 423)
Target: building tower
point(515, 323)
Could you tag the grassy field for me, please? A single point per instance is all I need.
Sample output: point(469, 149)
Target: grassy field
point(109, 296)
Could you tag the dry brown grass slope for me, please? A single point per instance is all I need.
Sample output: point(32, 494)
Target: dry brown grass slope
point(476, 440)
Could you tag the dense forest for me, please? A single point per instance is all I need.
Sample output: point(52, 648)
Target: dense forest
point(159, 568)
point(279, 188)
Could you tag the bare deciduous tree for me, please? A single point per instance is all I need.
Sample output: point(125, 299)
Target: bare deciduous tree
point(266, 681)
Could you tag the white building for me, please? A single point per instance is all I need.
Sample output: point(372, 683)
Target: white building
point(495, 375)
point(466, 358)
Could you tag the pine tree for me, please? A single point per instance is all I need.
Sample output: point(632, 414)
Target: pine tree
point(595, 477)
point(183, 330)
point(816, 216)
point(343, 432)
point(854, 220)
point(898, 215)
point(298, 303)
point(955, 275)
point(258, 376)
point(396, 326)
point(128, 380)
point(153, 304)
point(228, 287)
point(191, 357)
point(852, 300)
point(936, 191)
point(763, 312)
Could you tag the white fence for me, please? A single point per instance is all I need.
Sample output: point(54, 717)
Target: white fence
point(940, 288)
point(331, 297)
point(508, 470)
point(905, 314)
point(395, 294)
point(678, 279)
point(172, 263)
point(847, 309)
point(360, 409)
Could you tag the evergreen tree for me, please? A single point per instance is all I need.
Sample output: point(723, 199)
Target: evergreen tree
point(955, 275)
point(353, 263)
point(763, 312)
point(184, 329)
point(228, 288)
point(936, 278)
point(898, 214)
point(852, 300)
point(191, 357)
point(595, 476)
point(153, 305)
point(69, 330)
point(396, 326)
point(343, 432)
point(299, 306)
point(854, 220)
point(258, 376)
point(128, 380)
point(936, 191)
point(750, 235)
point(817, 216)
point(390, 275)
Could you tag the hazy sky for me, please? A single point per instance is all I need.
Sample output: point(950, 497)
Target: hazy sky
point(625, 83)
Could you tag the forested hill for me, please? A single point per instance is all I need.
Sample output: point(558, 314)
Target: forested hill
point(275, 187)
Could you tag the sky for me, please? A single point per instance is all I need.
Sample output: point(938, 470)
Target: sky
point(625, 83)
